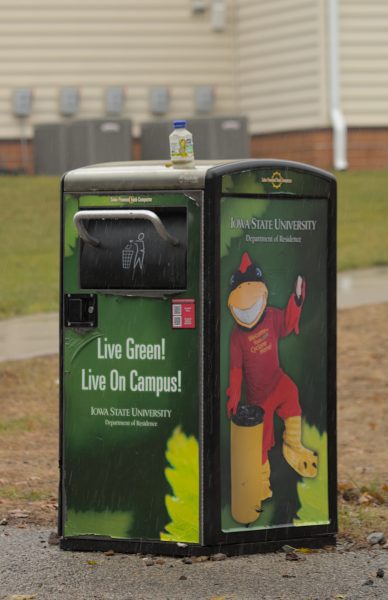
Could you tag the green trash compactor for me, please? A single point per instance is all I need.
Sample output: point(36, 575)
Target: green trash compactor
point(198, 357)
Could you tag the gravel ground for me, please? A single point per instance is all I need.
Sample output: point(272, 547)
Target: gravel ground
point(30, 568)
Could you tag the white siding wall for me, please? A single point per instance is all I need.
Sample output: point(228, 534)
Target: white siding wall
point(364, 61)
point(92, 44)
point(282, 63)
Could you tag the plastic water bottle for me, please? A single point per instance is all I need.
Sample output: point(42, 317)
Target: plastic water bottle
point(181, 146)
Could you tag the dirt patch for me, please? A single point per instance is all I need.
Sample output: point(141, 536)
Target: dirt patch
point(362, 394)
point(29, 440)
point(362, 420)
point(29, 429)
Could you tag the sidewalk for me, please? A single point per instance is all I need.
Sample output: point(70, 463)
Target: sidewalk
point(30, 568)
point(362, 287)
point(37, 335)
point(26, 337)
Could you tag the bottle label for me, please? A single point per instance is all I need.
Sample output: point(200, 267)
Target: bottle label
point(181, 148)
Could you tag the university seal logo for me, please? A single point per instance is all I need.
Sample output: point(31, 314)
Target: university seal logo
point(277, 180)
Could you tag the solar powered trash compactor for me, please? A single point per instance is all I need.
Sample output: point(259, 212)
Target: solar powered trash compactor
point(198, 357)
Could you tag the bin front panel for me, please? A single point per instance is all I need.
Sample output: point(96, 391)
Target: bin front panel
point(273, 343)
point(130, 383)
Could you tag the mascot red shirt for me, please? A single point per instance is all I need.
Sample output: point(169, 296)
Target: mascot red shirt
point(254, 360)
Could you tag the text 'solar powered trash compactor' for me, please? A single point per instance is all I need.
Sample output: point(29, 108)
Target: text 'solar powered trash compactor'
point(198, 357)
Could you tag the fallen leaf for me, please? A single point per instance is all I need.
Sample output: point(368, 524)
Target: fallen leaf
point(305, 550)
point(371, 497)
point(345, 485)
point(378, 497)
point(365, 499)
point(92, 562)
point(19, 514)
point(199, 559)
point(23, 597)
point(293, 556)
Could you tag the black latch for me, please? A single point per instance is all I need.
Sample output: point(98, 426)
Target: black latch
point(80, 310)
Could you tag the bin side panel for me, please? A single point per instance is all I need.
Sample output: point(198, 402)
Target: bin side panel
point(131, 401)
point(283, 372)
point(274, 336)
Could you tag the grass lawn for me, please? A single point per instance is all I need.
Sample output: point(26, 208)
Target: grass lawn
point(29, 234)
point(29, 245)
point(362, 219)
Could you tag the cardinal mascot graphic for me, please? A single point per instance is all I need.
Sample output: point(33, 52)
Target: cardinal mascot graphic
point(254, 365)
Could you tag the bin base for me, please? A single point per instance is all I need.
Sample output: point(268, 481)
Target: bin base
point(92, 544)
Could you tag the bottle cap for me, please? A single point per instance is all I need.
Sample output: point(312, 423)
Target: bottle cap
point(179, 124)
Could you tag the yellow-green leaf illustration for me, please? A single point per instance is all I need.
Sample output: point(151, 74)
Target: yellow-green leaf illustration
point(313, 493)
point(183, 476)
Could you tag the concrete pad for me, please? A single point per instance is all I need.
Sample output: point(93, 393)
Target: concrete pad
point(26, 337)
point(362, 287)
point(32, 568)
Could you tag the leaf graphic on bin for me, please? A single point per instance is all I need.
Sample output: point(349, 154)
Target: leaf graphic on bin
point(183, 476)
point(313, 493)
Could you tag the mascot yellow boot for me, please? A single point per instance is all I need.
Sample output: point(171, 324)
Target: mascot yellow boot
point(302, 460)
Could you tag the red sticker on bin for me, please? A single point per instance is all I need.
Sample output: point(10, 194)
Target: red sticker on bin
point(183, 313)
